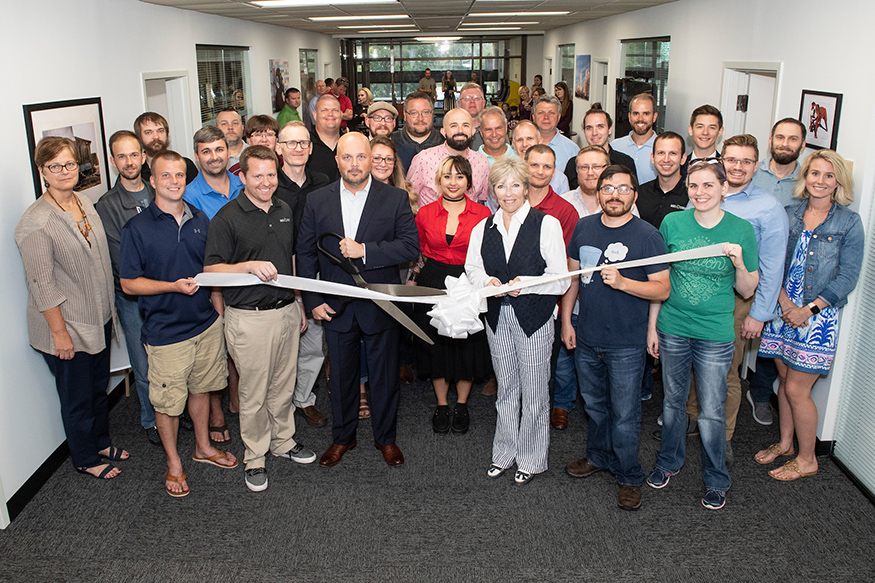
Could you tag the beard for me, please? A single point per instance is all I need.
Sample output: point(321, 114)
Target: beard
point(459, 142)
point(785, 157)
point(154, 147)
point(614, 212)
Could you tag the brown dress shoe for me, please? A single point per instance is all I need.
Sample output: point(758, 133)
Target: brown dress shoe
point(405, 375)
point(491, 388)
point(391, 453)
point(334, 453)
point(313, 416)
point(629, 497)
point(559, 419)
point(581, 468)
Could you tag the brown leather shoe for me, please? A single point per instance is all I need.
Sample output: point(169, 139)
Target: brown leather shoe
point(313, 416)
point(559, 419)
point(581, 468)
point(333, 454)
point(491, 388)
point(405, 375)
point(629, 497)
point(391, 453)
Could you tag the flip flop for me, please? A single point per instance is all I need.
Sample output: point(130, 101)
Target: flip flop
point(102, 475)
point(214, 460)
point(775, 450)
point(220, 429)
point(791, 466)
point(115, 454)
point(168, 477)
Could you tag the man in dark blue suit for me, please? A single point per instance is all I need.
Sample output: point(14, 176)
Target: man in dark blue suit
point(379, 233)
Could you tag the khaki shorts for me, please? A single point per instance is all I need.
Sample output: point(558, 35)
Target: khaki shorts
point(197, 365)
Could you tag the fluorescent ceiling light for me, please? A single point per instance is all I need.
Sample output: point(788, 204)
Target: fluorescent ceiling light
point(297, 3)
point(496, 28)
point(374, 32)
point(437, 39)
point(369, 17)
point(494, 14)
point(374, 26)
point(497, 23)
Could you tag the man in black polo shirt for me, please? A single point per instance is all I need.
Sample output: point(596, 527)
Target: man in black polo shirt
point(162, 249)
point(254, 234)
point(326, 132)
point(667, 193)
point(296, 181)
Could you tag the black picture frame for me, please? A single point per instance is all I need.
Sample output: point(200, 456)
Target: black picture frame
point(820, 112)
point(82, 121)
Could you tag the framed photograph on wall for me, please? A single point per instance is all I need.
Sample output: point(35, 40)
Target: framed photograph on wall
point(820, 111)
point(582, 73)
point(81, 120)
point(279, 81)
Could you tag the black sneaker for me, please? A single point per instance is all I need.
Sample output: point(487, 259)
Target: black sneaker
point(152, 436)
point(185, 421)
point(440, 421)
point(461, 419)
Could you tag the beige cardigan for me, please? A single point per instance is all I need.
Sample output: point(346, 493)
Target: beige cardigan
point(61, 270)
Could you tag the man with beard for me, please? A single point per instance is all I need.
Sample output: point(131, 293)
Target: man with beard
point(546, 116)
point(638, 145)
point(380, 121)
point(379, 233)
point(471, 99)
point(154, 133)
point(777, 176)
point(525, 135)
point(611, 331)
point(706, 127)
point(214, 185)
point(458, 130)
point(597, 126)
point(667, 193)
point(418, 131)
point(129, 197)
point(231, 124)
point(326, 132)
point(771, 227)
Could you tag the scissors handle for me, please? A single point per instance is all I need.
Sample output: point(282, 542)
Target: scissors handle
point(344, 263)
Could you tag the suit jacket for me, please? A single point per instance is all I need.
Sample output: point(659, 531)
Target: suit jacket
point(387, 230)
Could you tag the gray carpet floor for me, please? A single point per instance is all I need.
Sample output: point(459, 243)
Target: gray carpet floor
point(437, 517)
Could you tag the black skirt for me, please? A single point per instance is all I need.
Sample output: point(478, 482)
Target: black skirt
point(452, 359)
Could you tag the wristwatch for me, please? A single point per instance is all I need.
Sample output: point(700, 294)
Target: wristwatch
point(815, 309)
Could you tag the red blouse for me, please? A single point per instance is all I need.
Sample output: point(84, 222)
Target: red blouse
point(431, 221)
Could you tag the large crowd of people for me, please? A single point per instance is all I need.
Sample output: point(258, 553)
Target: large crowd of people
point(479, 198)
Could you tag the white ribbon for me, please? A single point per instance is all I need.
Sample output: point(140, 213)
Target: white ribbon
point(456, 314)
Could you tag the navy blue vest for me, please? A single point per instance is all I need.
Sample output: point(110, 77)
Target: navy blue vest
point(531, 310)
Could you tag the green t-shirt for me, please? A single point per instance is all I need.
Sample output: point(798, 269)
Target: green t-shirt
point(286, 115)
point(702, 300)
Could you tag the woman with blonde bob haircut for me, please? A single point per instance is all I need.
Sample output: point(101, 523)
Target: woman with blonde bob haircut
point(518, 242)
point(822, 266)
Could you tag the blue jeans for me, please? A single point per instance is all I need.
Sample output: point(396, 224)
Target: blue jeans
point(564, 375)
point(132, 324)
point(763, 380)
point(610, 384)
point(711, 361)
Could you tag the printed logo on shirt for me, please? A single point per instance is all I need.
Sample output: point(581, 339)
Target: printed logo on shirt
point(589, 257)
point(616, 252)
point(285, 220)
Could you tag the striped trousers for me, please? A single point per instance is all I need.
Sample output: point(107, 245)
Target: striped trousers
point(522, 369)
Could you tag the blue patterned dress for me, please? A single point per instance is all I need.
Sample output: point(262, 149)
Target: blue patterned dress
point(809, 349)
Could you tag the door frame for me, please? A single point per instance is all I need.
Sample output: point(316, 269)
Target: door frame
point(733, 71)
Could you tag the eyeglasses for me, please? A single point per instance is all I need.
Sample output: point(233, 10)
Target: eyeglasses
point(743, 161)
point(56, 168)
point(381, 159)
point(592, 168)
point(382, 117)
point(423, 113)
point(264, 134)
point(622, 189)
point(474, 98)
point(293, 144)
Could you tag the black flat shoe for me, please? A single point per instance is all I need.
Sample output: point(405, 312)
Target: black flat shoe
point(440, 421)
point(461, 419)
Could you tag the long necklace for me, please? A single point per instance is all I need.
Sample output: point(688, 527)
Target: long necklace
point(84, 226)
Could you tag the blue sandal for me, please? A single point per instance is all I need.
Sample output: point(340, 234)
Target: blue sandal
point(115, 454)
point(102, 475)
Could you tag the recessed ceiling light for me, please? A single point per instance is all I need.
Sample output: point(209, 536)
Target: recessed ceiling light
point(296, 3)
point(494, 14)
point(497, 23)
point(437, 39)
point(374, 26)
point(368, 17)
point(496, 28)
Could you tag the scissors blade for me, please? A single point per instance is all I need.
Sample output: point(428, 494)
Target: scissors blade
point(402, 291)
point(402, 318)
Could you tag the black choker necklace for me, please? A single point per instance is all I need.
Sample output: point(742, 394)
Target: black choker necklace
point(448, 199)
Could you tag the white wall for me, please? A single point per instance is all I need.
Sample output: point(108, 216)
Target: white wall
point(57, 50)
point(705, 33)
